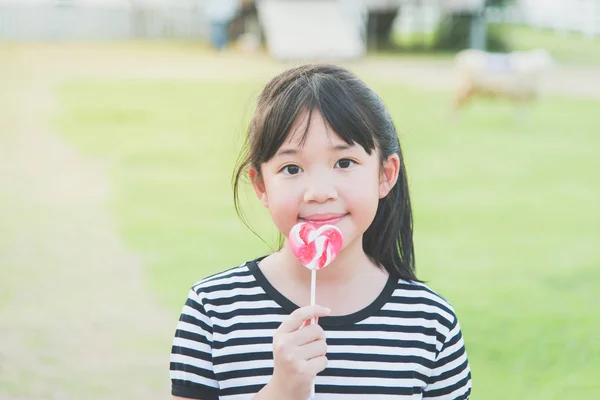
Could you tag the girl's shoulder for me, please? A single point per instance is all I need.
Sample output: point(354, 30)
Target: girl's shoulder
point(238, 276)
point(421, 298)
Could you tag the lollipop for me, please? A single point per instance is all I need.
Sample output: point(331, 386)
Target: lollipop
point(315, 249)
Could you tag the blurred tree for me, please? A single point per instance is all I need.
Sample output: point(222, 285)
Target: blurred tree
point(379, 27)
point(456, 29)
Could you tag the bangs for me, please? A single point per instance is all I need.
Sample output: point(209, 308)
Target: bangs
point(344, 113)
point(341, 107)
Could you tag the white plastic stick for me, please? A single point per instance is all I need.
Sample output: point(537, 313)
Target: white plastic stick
point(313, 290)
point(313, 295)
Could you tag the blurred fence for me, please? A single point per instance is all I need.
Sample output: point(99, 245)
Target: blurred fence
point(62, 20)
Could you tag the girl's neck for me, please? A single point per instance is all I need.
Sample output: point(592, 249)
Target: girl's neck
point(352, 263)
point(347, 285)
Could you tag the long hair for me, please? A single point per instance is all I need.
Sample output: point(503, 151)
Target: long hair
point(357, 114)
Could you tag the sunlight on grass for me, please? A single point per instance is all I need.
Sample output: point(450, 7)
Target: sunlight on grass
point(567, 47)
point(172, 147)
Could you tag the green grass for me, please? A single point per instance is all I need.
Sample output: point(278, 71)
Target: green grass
point(567, 48)
point(506, 212)
point(171, 148)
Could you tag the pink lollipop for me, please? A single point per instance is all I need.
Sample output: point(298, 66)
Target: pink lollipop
point(315, 249)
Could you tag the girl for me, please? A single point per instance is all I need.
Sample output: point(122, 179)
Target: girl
point(323, 149)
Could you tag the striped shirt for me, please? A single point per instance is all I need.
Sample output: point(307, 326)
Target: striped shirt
point(407, 344)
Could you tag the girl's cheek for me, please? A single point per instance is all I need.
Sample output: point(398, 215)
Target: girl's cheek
point(285, 203)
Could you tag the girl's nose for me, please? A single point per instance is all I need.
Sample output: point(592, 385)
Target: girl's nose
point(320, 189)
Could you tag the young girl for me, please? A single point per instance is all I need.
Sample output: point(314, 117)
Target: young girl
point(323, 149)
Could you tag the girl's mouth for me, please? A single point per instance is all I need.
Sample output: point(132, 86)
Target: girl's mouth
point(319, 220)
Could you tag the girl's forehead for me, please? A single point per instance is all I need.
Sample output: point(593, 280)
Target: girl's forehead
point(300, 137)
point(301, 129)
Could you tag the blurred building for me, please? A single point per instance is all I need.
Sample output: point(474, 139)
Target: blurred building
point(101, 19)
point(289, 28)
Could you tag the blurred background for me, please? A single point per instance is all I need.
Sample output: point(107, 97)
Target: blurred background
point(121, 120)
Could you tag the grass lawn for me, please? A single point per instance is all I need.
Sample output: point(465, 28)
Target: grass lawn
point(506, 213)
point(567, 48)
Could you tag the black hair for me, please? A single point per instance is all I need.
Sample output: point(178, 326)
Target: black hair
point(357, 114)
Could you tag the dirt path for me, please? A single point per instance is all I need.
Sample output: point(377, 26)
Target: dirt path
point(76, 319)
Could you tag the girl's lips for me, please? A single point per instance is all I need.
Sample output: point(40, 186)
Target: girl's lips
point(323, 221)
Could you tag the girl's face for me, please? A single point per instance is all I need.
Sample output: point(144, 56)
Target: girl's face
point(323, 181)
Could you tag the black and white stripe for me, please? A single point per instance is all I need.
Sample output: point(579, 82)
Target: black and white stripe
point(407, 344)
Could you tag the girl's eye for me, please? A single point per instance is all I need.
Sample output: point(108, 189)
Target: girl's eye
point(291, 170)
point(344, 163)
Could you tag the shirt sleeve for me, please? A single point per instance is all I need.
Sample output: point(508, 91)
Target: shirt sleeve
point(450, 377)
point(191, 367)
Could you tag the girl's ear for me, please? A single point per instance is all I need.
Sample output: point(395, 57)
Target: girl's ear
point(389, 174)
point(258, 185)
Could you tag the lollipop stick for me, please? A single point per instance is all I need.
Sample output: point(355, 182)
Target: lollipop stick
point(313, 295)
point(313, 290)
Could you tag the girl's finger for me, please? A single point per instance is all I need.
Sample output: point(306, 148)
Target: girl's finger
point(316, 365)
point(314, 349)
point(297, 318)
point(306, 335)
point(309, 322)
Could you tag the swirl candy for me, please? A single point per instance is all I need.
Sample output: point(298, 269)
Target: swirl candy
point(315, 248)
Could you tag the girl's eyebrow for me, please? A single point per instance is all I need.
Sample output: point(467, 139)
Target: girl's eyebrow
point(285, 152)
point(291, 151)
point(340, 147)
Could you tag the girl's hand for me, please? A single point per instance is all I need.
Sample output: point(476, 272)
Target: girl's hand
point(298, 353)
